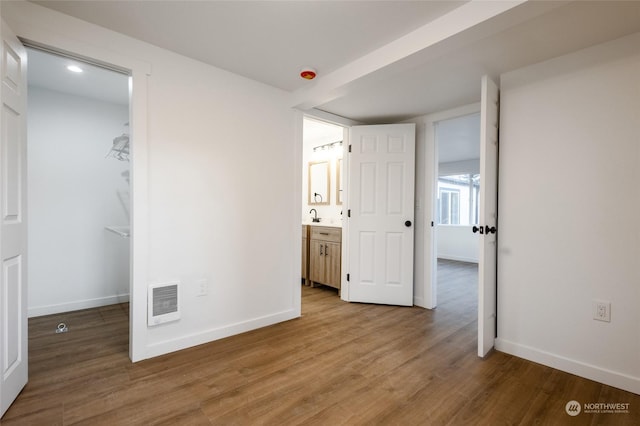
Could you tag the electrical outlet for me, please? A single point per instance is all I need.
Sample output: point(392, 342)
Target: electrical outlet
point(602, 310)
point(202, 287)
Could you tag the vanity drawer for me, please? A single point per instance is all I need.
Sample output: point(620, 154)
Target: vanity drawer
point(326, 233)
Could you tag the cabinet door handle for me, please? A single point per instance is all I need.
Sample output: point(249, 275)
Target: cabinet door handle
point(321, 246)
point(326, 249)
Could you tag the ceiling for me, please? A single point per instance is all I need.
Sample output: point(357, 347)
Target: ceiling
point(270, 41)
point(267, 41)
point(459, 138)
point(49, 71)
point(319, 133)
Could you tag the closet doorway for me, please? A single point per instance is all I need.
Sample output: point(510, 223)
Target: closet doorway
point(78, 186)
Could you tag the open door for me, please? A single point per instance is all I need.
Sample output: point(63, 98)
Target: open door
point(381, 214)
point(489, 105)
point(13, 226)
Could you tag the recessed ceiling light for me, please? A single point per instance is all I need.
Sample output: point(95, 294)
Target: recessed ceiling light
point(74, 68)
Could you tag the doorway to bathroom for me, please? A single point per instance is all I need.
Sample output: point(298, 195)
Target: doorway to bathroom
point(78, 181)
point(322, 204)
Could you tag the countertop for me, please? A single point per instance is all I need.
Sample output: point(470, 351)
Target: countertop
point(329, 225)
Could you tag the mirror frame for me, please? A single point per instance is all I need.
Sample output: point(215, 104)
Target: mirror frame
point(326, 200)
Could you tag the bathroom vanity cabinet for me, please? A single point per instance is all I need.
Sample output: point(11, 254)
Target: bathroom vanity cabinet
point(325, 254)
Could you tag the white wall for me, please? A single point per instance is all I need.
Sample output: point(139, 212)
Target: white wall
point(219, 166)
point(568, 212)
point(73, 194)
point(457, 242)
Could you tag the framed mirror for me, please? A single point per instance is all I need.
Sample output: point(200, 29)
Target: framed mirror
point(339, 181)
point(319, 183)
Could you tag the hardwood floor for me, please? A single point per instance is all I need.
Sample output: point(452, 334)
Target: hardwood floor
point(458, 286)
point(340, 363)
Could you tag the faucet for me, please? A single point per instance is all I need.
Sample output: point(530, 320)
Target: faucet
point(315, 217)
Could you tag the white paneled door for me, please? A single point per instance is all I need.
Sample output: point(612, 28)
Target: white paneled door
point(381, 214)
point(13, 227)
point(489, 114)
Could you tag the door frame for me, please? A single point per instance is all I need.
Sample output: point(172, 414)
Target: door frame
point(47, 310)
point(346, 125)
point(430, 197)
point(139, 72)
point(430, 280)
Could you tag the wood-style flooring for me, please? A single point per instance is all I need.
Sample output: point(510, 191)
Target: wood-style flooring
point(339, 364)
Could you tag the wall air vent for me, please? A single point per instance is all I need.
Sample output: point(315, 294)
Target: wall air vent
point(163, 303)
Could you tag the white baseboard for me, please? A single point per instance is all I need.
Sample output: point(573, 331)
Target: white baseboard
point(38, 311)
point(207, 336)
point(588, 371)
point(419, 301)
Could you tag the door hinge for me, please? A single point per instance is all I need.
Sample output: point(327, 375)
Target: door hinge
point(349, 147)
point(349, 213)
point(348, 276)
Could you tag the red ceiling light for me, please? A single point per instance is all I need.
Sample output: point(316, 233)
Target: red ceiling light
point(308, 73)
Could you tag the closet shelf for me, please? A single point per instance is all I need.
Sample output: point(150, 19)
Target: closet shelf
point(122, 231)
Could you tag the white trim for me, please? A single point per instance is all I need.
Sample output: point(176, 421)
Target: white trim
point(430, 282)
point(39, 311)
point(582, 369)
point(344, 267)
point(345, 123)
point(419, 301)
point(139, 259)
point(430, 236)
point(328, 117)
point(207, 336)
point(298, 138)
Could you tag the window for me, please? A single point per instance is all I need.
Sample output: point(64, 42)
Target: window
point(458, 198)
point(449, 206)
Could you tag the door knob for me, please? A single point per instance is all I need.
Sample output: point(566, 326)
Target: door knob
point(488, 230)
point(475, 229)
point(407, 223)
